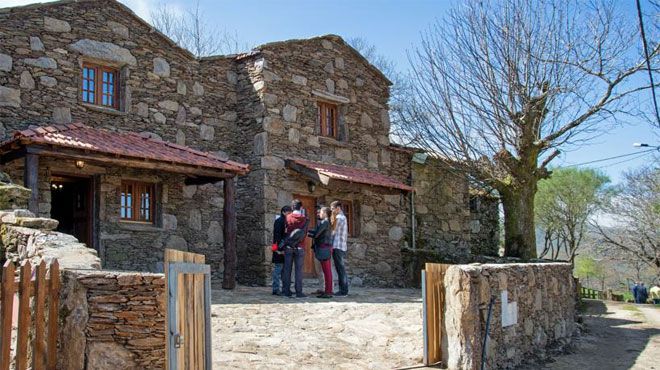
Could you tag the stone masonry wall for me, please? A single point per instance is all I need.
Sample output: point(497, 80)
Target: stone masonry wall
point(441, 212)
point(484, 224)
point(539, 312)
point(112, 320)
point(289, 78)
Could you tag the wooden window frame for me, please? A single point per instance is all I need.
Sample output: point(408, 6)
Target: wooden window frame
point(137, 189)
point(348, 207)
point(323, 108)
point(98, 85)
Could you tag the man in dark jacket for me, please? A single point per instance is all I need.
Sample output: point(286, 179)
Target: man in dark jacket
point(279, 233)
point(296, 254)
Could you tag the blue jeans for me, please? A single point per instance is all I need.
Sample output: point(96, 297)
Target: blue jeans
point(338, 257)
point(293, 256)
point(277, 277)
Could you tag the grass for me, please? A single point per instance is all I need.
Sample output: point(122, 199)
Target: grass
point(629, 307)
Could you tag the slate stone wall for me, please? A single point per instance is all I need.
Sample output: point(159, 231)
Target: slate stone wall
point(112, 320)
point(540, 312)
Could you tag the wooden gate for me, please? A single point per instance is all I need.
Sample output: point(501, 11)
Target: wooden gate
point(188, 311)
point(42, 293)
point(433, 297)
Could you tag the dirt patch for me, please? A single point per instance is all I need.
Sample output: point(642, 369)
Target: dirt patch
point(370, 329)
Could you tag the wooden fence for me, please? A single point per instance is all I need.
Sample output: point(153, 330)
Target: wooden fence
point(30, 288)
point(433, 295)
point(591, 293)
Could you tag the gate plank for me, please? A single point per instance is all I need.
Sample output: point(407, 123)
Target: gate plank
point(6, 310)
point(39, 353)
point(198, 291)
point(435, 310)
point(23, 316)
point(53, 317)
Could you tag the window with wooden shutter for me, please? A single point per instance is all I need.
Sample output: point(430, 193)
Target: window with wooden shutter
point(137, 201)
point(100, 85)
point(327, 120)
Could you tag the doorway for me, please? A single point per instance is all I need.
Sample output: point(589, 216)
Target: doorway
point(71, 205)
point(309, 206)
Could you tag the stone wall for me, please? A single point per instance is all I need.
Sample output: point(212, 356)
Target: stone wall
point(280, 84)
point(539, 312)
point(484, 224)
point(112, 320)
point(26, 237)
point(441, 213)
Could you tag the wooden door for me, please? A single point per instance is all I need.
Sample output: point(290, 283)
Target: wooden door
point(188, 282)
point(309, 205)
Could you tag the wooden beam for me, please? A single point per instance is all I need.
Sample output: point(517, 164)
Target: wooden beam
point(132, 163)
point(229, 233)
point(31, 180)
point(311, 173)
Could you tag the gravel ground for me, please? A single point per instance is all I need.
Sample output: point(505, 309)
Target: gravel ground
point(254, 330)
point(618, 336)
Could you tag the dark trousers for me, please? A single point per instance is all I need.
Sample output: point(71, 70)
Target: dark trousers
point(338, 257)
point(292, 257)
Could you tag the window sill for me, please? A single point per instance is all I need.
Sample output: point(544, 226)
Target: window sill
point(101, 109)
point(139, 226)
point(331, 141)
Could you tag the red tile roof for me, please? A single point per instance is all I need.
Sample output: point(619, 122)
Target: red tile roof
point(121, 144)
point(352, 174)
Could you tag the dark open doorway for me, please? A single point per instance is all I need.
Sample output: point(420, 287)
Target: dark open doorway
point(71, 205)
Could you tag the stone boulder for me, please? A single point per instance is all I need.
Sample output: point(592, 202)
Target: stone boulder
point(13, 196)
point(103, 50)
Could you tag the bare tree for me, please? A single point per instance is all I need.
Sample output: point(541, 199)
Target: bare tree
point(636, 213)
point(501, 86)
point(191, 31)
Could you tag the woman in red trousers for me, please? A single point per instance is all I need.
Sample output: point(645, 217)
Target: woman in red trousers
point(323, 248)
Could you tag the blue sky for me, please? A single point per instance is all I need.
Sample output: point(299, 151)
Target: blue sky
point(394, 28)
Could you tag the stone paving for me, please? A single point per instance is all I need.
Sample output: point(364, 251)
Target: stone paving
point(369, 329)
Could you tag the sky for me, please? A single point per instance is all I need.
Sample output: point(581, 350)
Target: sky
point(394, 28)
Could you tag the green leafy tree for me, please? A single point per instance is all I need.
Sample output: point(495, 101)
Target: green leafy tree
point(563, 205)
point(588, 269)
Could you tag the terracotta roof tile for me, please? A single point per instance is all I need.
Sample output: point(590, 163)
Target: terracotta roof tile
point(353, 174)
point(124, 144)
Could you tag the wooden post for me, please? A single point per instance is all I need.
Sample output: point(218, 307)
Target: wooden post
point(229, 233)
point(31, 180)
point(8, 288)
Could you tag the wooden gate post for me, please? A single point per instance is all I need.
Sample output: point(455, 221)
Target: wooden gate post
point(433, 300)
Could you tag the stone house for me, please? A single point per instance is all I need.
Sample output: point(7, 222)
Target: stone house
point(309, 117)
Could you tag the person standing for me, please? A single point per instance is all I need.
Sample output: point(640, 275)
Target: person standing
point(323, 249)
point(279, 233)
point(339, 245)
point(643, 293)
point(635, 292)
point(295, 255)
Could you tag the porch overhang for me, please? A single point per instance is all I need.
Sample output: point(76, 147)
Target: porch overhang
point(79, 142)
point(325, 174)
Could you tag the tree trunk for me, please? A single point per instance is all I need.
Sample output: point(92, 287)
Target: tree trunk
point(519, 231)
